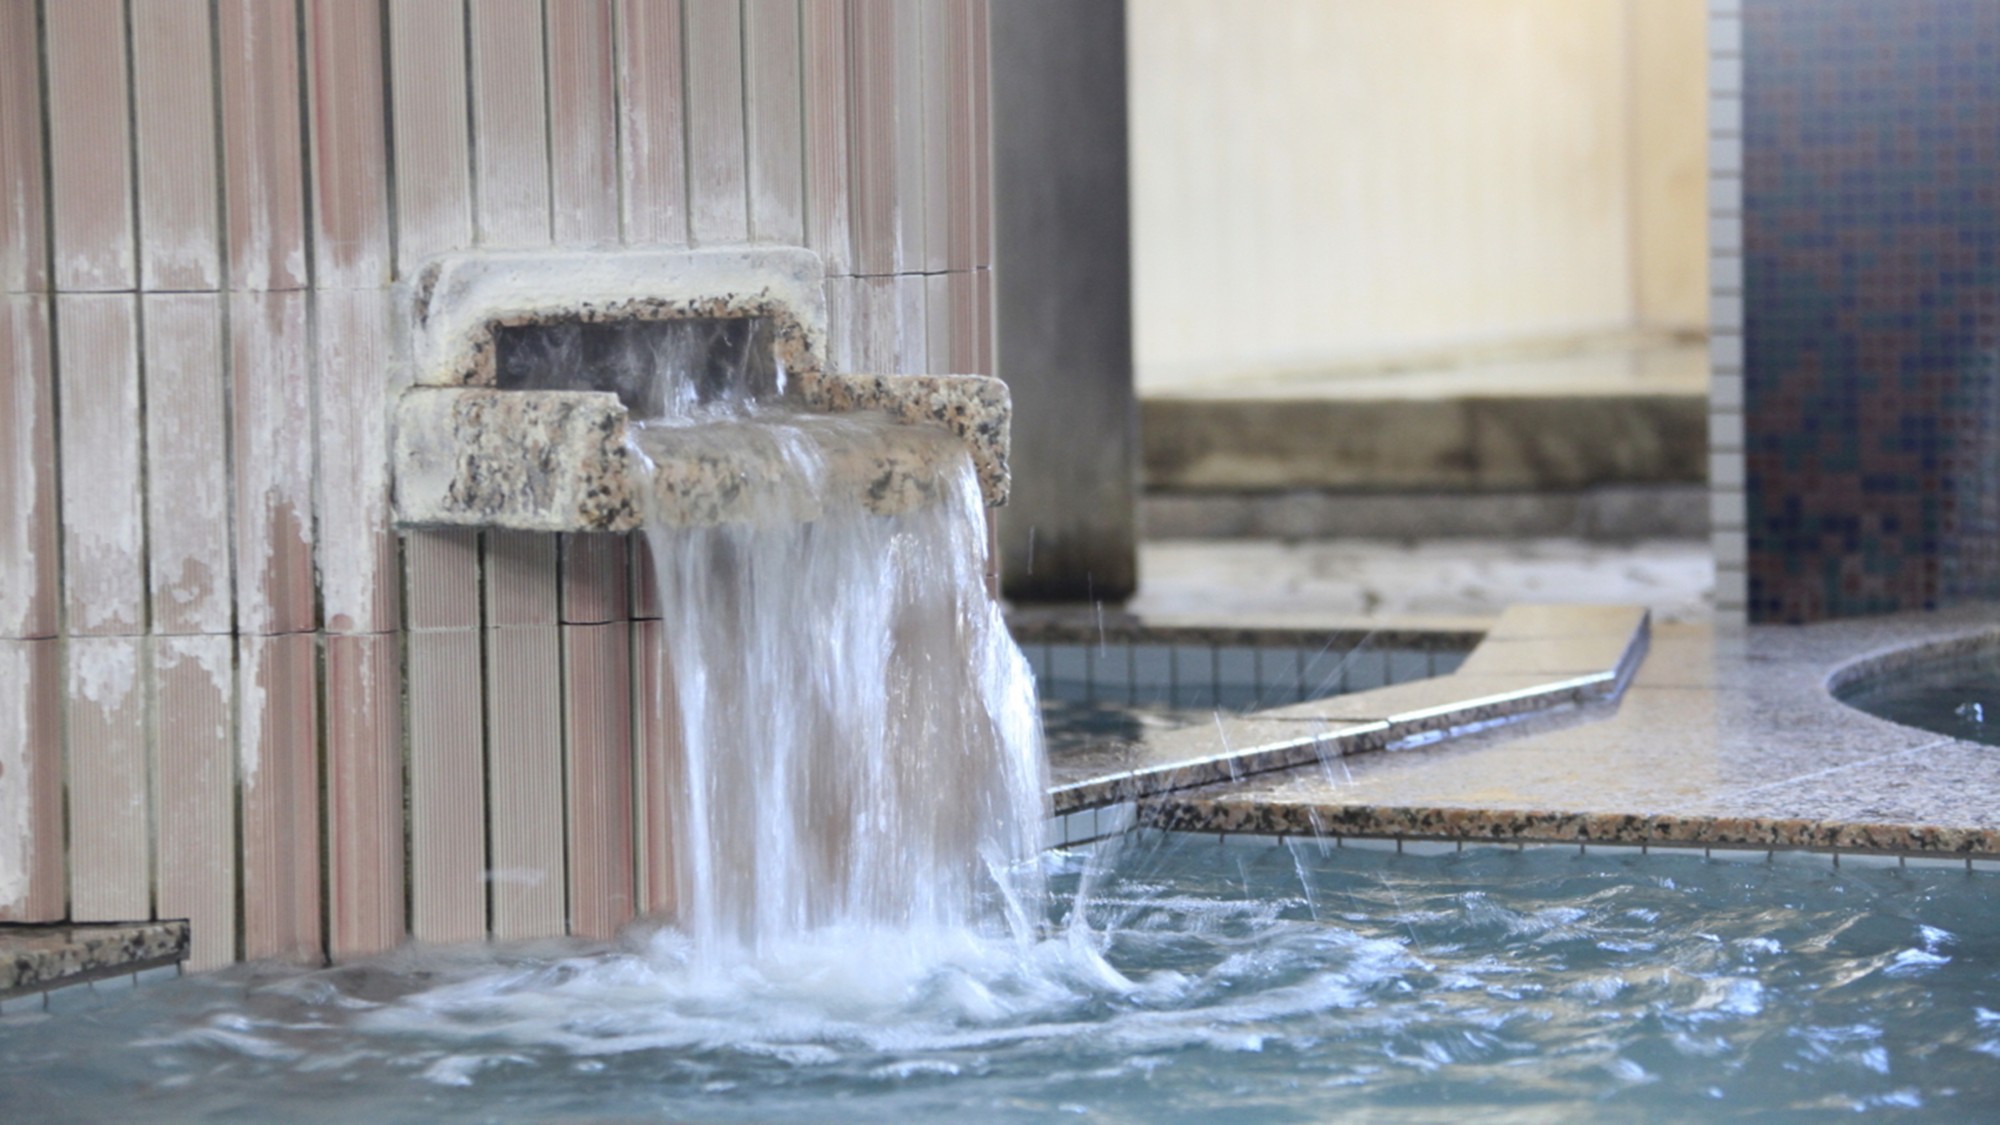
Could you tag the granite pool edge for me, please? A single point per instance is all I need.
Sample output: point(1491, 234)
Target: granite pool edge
point(1530, 660)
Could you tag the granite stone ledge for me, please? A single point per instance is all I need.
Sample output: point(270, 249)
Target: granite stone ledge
point(38, 957)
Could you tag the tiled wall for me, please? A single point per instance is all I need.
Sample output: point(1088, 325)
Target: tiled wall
point(220, 667)
point(1869, 298)
point(1725, 309)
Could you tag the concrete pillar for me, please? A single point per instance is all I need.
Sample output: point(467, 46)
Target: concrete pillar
point(1063, 298)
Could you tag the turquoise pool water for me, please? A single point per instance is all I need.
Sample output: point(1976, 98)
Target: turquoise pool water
point(1185, 980)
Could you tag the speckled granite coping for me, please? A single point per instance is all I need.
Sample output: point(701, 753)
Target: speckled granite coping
point(1532, 659)
point(36, 958)
point(1726, 737)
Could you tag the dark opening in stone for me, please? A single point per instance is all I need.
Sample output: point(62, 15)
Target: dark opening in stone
point(657, 368)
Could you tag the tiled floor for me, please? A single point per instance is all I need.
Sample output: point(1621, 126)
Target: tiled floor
point(1674, 578)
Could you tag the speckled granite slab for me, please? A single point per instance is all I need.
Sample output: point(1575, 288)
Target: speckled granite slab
point(36, 958)
point(1544, 658)
point(1726, 737)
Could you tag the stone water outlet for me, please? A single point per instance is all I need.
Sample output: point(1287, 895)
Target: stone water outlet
point(489, 434)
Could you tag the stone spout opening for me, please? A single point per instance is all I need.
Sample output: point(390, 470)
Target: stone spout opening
point(531, 373)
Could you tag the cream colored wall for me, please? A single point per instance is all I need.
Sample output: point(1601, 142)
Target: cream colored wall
point(1332, 183)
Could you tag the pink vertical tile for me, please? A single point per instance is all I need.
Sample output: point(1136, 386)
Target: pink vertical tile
point(873, 320)
point(263, 167)
point(597, 728)
point(583, 122)
point(273, 425)
point(442, 569)
point(825, 81)
point(29, 597)
point(174, 105)
point(111, 844)
point(90, 164)
point(510, 143)
point(31, 767)
point(959, 103)
point(187, 427)
point(912, 356)
point(277, 770)
point(527, 877)
point(962, 294)
point(982, 303)
point(909, 135)
point(596, 584)
point(652, 166)
point(658, 752)
point(432, 139)
point(23, 242)
point(103, 504)
point(645, 584)
point(357, 545)
point(364, 794)
point(871, 76)
point(843, 324)
point(718, 210)
point(447, 787)
point(194, 777)
point(982, 135)
point(938, 338)
point(940, 23)
point(349, 144)
point(774, 121)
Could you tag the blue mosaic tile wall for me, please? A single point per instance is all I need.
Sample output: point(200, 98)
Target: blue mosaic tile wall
point(1871, 227)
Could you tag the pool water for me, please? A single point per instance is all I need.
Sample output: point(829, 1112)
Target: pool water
point(1182, 980)
point(1956, 695)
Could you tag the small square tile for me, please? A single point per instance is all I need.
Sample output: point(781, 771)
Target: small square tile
point(24, 1004)
point(1110, 670)
point(72, 998)
point(1800, 857)
point(1866, 861)
point(1935, 863)
point(1152, 674)
point(1740, 855)
point(1255, 841)
point(1194, 676)
point(1429, 847)
point(1985, 866)
point(1610, 850)
point(123, 982)
point(157, 974)
point(1369, 843)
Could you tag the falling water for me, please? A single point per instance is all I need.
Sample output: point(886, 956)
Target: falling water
point(858, 734)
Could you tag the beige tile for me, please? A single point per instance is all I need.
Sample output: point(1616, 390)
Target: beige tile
point(447, 787)
point(660, 774)
point(442, 571)
point(527, 879)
